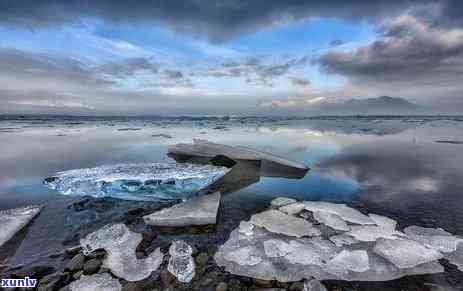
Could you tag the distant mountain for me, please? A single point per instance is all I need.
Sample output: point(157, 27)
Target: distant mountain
point(380, 105)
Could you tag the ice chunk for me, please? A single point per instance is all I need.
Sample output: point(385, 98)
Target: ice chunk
point(246, 228)
point(277, 248)
point(435, 238)
point(292, 209)
point(405, 253)
point(372, 233)
point(343, 239)
point(200, 210)
point(278, 222)
point(314, 285)
point(143, 182)
point(181, 264)
point(271, 165)
point(456, 257)
point(282, 201)
point(262, 250)
point(244, 256)
point(356, 261)
point(347, 213)
point(120, 244)
point(13, 220)
point(313, 251)
point(332, 220)
point(384, 221)
point(97, 282)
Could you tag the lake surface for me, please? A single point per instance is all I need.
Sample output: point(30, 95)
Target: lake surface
point(407, 168)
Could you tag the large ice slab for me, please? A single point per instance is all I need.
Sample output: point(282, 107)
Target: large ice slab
point(181, 263)
point(278, 222)
point(345, 212)
point(438, 239)
point(332, 220)
point(200, 210)
point(120, 244)
point(13, 220)
point(404, 253)
point(266, 247)
point(97, 282)
point(271, 165)
point(143, 182)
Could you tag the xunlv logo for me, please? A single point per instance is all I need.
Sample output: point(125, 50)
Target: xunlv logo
point(13, 283)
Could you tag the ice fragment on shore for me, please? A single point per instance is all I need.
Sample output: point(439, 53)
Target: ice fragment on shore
point(347, 213)
point(384, 221)
point(314, 285)
point(370, 233)
point(437, 239)
point(405, 253)
point(97, 282)
point(244, 256)
point(456, 257)
point(181, 263)
point(282, 201)
point(276, 248)
point(120, 244)
point(332, 220)
point(200, 210)
point(278, 222)
point(13, 220)
point(356, 261)
point(292, 209)
point(246, 228)
point(311, 251)
point(343, 239)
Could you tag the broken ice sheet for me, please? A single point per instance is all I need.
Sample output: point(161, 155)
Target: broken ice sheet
point(405, 253)
point(345, 212)
point(142, 182)
point(262, 250)
point(332, 220)
point(278, 222)
point(438, 239)
point(120, 243)
point(97, 282)
point(181, 263)
point(13, 220)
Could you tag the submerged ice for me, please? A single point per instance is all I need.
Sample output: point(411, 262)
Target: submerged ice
point(13, 220)
point(347, 245)
point(144, 182)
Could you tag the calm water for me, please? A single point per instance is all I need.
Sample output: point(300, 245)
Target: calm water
point(391, 166)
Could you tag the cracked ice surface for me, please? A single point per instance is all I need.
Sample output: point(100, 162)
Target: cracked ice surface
point(97, 282)
point(266, 247)
point(120, 244)
point(434, 238)
point(278, 222)
point(144, 182)
point(181, 263)
point(13, 220)
point(330, 219)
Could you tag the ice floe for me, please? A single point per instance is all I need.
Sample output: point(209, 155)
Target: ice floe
point(13, 220)
point(143, 182)
point(279, 246)
point(181, 263)
point(279, 222)
point(97, 282)
point(120, 243)
point(200, 210)
point(282, 201)
point(270, 164)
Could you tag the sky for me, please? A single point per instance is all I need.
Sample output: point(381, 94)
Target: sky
point(193, 57)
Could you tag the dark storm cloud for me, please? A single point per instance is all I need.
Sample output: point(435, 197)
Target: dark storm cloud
point(336, 42)
point(218, 20)
point(412, 50)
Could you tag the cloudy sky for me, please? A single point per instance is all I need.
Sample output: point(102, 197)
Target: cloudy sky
point(226, 56)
